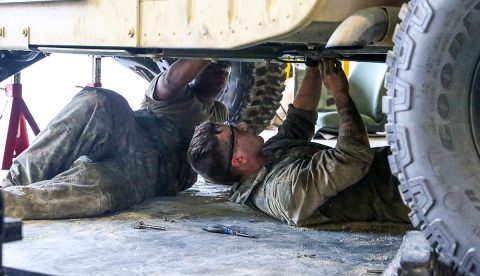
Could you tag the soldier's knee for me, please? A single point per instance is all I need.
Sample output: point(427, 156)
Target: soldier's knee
point(100, 95)
point(107, 99)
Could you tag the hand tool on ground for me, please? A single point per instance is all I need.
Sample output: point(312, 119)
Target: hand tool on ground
point(143, 225)
point(222, 229)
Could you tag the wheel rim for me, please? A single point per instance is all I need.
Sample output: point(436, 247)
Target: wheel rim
point(475, 107)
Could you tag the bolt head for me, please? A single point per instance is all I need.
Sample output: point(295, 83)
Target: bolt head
point(131, 32)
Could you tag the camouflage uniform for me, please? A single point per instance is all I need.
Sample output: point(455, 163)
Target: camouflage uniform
point(306, 183)
point(98, 155)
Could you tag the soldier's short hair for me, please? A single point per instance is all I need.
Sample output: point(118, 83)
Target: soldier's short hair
point(207, 156)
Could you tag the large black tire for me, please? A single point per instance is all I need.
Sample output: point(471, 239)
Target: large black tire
point(433, 107)
point(254, 93)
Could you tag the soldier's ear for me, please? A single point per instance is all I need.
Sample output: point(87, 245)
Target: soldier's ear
point(239, 160)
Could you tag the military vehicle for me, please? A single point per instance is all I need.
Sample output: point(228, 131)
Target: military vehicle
point(433, 79)
point(258, 37)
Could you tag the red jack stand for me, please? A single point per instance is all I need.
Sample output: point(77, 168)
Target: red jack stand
point(17, 136)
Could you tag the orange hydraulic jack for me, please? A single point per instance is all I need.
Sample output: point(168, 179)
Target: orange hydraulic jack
point(17, 136)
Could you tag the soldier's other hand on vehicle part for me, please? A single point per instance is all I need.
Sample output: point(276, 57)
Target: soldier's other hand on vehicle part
point(212, 81)
point(333, 76)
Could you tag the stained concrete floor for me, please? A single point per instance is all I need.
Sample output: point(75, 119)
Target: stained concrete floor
point(109, 245)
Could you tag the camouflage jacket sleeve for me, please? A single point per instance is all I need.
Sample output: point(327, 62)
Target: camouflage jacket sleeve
point(219, 112)
point(299, 124)
point(187, 109)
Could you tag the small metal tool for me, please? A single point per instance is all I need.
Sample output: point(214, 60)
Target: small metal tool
point(143, 225)
point(222, 229)
point(374, 272)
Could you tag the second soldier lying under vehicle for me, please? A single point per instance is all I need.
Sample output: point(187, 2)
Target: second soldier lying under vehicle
point(298, 181)
point(98, 155)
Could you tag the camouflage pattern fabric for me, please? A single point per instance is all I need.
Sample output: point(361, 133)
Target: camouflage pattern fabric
point(305, 183)
point(97, 155)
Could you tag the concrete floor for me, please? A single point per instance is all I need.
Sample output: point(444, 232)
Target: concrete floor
point(110, 245)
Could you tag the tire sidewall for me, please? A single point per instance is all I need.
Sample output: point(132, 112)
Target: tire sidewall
point(438, 154)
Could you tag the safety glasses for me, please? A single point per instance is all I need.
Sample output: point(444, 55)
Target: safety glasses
point(233, 128)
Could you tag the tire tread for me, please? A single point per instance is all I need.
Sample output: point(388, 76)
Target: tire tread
point(257, 95)
point(415, 192)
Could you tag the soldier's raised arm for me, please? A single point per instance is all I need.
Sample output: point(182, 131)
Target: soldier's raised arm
point(351, 123)
point(175, 80)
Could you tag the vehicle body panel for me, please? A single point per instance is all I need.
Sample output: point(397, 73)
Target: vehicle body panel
point(174, 24)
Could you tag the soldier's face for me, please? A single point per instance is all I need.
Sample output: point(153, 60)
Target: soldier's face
point(245, 139)
point(248, 140)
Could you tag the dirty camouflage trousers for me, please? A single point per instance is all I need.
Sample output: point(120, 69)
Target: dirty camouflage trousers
point(87, 161)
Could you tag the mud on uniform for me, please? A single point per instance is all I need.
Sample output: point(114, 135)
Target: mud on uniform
point(98, 155)
point(306, 183)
